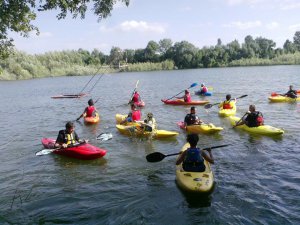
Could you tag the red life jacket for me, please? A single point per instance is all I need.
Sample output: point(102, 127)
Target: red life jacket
point(187, 98)
point(136, 98)
point(89, 111)
point(136, 115)
point(260, 120)
point(204, 89)
point(226, 105)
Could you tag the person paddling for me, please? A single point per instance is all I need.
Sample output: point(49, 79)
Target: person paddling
point(192, 118)
point(89, 111)
point(193, 158)
point(254, 118)
point(291, 93)
point(228, 103)
point(203, 89)
point(68, 137)
point(186, 97)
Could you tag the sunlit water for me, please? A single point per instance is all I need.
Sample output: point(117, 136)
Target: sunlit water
point(257, 178)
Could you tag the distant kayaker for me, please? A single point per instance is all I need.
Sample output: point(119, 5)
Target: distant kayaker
point(228, 103)
point(186, 97)
point(89, 111)
point(68, 137)
point(291, 93)
point(253, 119)
point(136, 98)
point(192, 118)
point(136, 113)
point(203, 89)
point(193, 158)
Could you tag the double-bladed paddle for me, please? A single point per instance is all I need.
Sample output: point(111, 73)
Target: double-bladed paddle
point(192, 85)
point(48, 151)
point(208, 106)
point(133, 91)
point(157, 156)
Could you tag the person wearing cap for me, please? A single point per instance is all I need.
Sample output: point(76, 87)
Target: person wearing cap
point(89, 111)
point(192, 118)
point(291, 93)
point(228, 103)
point(68, 137)
point(186, 97)
point(203, 89)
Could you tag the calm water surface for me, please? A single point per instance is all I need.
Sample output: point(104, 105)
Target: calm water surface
point(257, 178)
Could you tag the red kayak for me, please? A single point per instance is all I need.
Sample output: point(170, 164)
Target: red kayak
point(182, 102)
point(81, 151)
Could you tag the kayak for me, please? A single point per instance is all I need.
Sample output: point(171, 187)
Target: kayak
point(92, 119)
point(182, 102)
point(264, 129)
point(197, 182)
point(280, 98)
point(202, 128)
point(227, 112)
point(81, 151)
point(276, 94)
point(203, 94)
point(134, 131)
point(69, 96)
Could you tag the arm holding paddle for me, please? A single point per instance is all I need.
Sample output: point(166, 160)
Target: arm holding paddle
point(192, 85)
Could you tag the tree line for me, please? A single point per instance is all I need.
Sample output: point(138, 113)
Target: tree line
point(161, 55)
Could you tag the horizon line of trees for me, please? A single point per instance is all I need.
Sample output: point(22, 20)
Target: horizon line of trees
point(164, 54)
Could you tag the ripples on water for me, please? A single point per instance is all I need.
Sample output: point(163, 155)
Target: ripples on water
point(257, 178)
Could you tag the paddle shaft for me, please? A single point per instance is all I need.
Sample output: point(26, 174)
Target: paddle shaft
point(240, 120)
point(193, 85)
point(211, 105)
point(133, 91)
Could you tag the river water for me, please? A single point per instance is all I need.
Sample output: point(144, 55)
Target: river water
point(257, 178)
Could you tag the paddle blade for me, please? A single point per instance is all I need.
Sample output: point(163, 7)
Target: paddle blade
point(44, 152)
point(208, 106)
point(155, 157)
point(104, 137)
point(243, 96)
point(193, 85)
point(273, 94)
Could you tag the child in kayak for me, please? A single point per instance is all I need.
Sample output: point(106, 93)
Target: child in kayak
point(68, 137)
point(253, 119)
point(193, 158)
point(228, 103)
point(203, 89)
point(89, 111)
point(186, 97)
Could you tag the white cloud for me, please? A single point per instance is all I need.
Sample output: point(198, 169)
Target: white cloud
point(290, 5)
point(140, 26)
point(272, 26)
point(33, 34)
point(294, 27)
point(243, 25)
point(248, 2)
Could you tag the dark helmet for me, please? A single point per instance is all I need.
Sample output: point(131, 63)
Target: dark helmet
point(91, 102)
point(228, 97)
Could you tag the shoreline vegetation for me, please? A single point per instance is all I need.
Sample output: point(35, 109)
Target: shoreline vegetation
point(163, 55)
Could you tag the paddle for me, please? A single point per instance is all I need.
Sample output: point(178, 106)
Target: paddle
point(104, 137)
point(133, 91)
point(157, 156)
point(208, 106)
point(48, 151)
point(192, 85)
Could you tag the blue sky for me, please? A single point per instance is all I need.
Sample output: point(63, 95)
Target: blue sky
point(200, 22)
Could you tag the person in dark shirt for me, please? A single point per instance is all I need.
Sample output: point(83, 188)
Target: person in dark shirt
point(68, 137)
point(192, 118)
point(291, 93)
point(254, 118)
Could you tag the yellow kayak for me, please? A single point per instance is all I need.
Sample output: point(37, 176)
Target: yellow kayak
point(121, 117)
point(92, 119)
point(227, 112)
point(202, 128)
point(197, 182)
point(135, 131)
point(264, 129)
point(280, 98)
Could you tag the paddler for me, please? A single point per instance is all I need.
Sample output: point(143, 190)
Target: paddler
point(186, 97)
point(228, 103)
point(89, 111)
point(68, 137)
point(193, 158)
point(254, 118)
point(192, 118)
point(291, 93)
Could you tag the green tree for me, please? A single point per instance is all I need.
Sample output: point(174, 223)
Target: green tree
point(17, 15)
point(152, 52)
point(164, 46)
point(297, 40)
point(289, 47)
point(116, 56)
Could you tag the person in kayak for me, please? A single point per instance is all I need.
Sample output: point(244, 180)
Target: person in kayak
point(203, 89)
point(149, 123)
point(192, 118)
point(68, 137)
point(254, 118)
point(128, 119)
point(193, 158)
point(136, 98)
point(136, 113)
point(89, 111)
point(186, 97)
point(228, 103)
point(291, 93)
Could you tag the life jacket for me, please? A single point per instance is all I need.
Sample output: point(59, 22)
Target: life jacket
point(204, 89)
point(190, 119)
point(193, 161)
point(89, 111)
point(227, 105)
point(187, 98)
point(260, 119)
point(70, 139)
point(136, 115)
point(136, 98)
point(255, 119)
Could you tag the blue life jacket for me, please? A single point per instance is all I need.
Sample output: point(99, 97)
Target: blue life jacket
point(193, 161)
